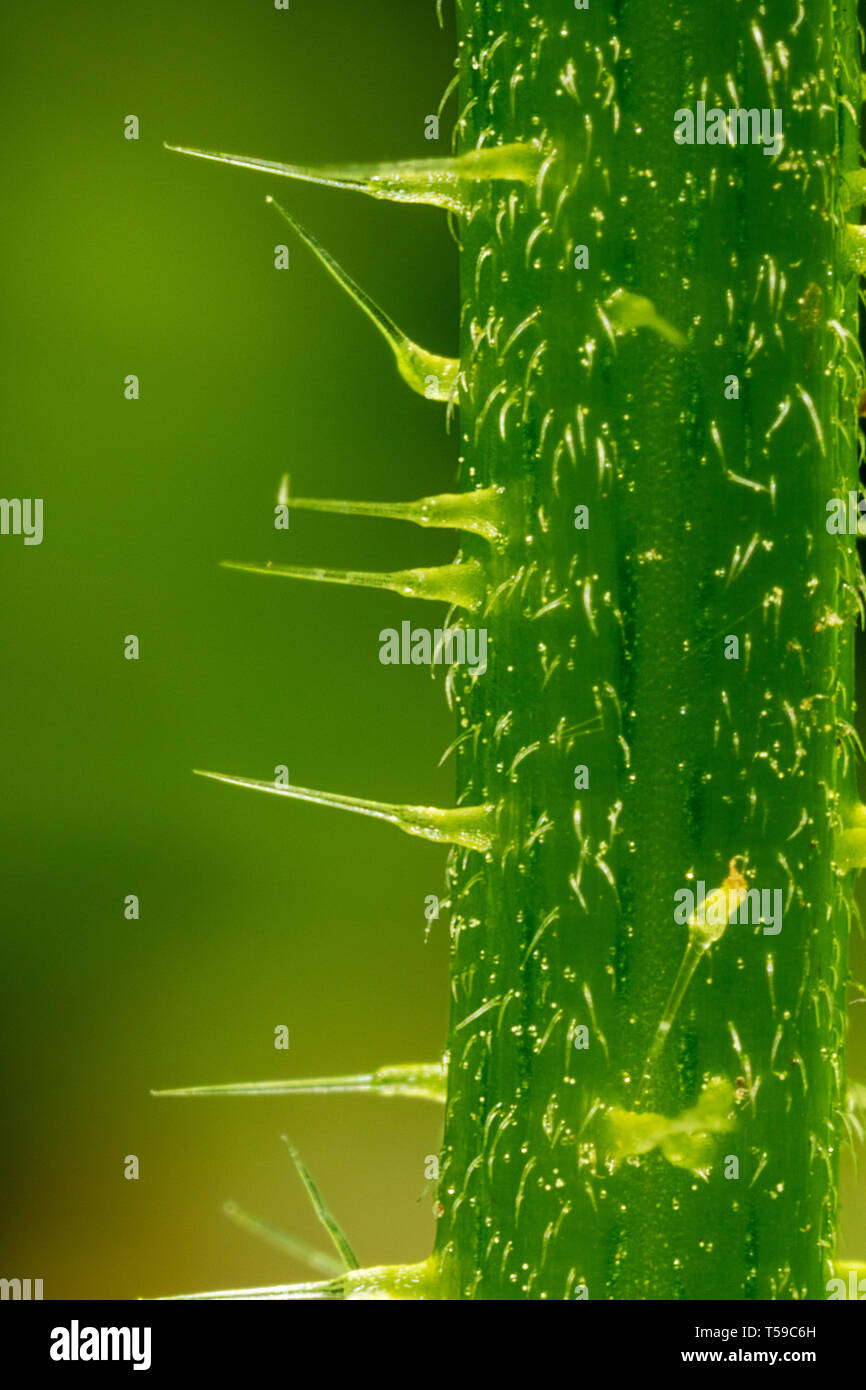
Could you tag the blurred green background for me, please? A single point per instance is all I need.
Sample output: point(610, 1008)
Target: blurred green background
point(119, 257)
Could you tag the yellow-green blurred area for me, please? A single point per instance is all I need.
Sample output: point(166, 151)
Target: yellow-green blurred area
point(120, 258)
point(117, 258)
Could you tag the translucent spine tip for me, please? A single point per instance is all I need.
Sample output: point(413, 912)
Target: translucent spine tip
point(280, 1240)
point(471, 827)
point(437, 182)
point(482, 512)
point(461, 584)
point(422, 1081)
point(430, 375)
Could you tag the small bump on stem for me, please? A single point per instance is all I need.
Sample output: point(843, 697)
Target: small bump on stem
point(850, 849)
point(853, 250)
point(686, 1141)
point(437, 182)
point(627, 312)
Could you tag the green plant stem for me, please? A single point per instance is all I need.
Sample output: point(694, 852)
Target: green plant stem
point(608, 650)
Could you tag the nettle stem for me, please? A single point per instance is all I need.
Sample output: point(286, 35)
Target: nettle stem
point(657, 332)
point(658, 388)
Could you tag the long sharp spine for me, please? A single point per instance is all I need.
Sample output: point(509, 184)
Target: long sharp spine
point(331, 1288)
point(335, 1231)
point(461, 584)
point(280, 1240)
point(472, 827)
point(421, 1081)
point(416, 1281)
point(432, 376)
point(438, 182)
